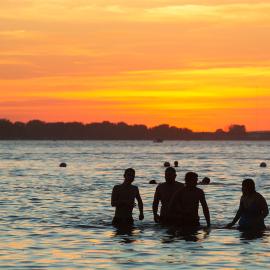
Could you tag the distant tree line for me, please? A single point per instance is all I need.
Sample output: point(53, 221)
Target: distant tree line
point(39, 130)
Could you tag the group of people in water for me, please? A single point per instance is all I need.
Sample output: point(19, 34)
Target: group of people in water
point(180, 203)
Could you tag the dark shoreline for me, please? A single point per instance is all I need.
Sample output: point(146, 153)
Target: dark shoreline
point(148, 140)
point(39, 130)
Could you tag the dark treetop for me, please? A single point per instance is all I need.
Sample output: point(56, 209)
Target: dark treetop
point(39, 130)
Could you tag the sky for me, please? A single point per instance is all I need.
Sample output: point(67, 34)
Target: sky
point(200, 64)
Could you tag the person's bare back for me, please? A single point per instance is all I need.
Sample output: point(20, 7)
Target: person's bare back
point(164, 193)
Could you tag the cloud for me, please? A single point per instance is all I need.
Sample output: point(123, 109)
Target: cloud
point(144, 11)
point(226, 12)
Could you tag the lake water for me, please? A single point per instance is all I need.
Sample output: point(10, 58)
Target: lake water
point(59, 218)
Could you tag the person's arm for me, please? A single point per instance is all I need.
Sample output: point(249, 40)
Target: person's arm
point(114, 198)
point(205, 209)
point(155, 205)
point(237, 216)
point(140, 205)
point(264, 207)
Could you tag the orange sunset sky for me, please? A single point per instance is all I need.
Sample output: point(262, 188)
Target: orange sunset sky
point(201, 64)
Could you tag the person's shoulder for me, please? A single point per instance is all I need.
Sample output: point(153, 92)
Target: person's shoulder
point(161, 185)
point(199, 191)
point(179, 184)
point(159, 188)
point(259, 196)
point(180, 189)
point(117, 186)
point(134, 187)
point(116, 189)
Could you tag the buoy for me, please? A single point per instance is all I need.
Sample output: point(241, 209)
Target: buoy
point(63, 165)
point(263, 165)
point(152, 182)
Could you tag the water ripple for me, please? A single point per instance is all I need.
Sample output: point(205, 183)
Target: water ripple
point(60, 218)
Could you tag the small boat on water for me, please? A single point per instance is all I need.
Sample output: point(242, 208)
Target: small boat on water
point(157, 140)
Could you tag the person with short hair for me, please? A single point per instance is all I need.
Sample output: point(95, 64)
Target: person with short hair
point(253, 208)
point(187, 200)
point(123, 199)
point(164, 193)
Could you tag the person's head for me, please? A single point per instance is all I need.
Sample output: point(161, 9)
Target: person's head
point(167, 164)
point(263, 165)
point(170, 175)
point(129, 175)
point(248, 186)
point(191, 179)
point(206, 181)
point(176, 163)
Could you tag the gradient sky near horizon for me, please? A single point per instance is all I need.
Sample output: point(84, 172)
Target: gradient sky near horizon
point(201, 64)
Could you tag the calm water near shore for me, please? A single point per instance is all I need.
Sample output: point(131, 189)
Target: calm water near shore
point(59, 218)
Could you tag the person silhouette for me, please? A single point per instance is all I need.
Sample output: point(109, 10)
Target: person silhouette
point(253, 208)
point(167, 164)
point(187, 200)
point(164, 193)
point(123, 199)
point(205, 181)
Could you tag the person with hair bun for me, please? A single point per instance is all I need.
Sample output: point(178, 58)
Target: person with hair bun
point(253, 208)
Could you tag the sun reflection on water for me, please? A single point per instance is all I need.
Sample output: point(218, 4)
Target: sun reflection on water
point(61, 219)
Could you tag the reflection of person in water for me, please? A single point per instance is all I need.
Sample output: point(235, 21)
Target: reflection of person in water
point(123, 199)
point(164, 193)
point(253, 208)
point(188, 199)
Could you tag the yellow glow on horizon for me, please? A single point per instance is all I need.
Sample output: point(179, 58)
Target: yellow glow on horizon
point(150, 62)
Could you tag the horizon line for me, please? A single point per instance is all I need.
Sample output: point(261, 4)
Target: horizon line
point(115, 123)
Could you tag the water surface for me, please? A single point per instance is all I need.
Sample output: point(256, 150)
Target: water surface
point(59, 218)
